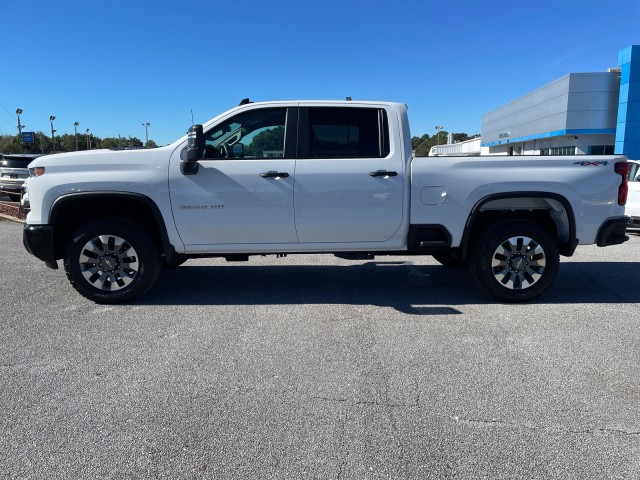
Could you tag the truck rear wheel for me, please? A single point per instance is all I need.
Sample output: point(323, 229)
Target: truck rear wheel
point(515, 261)
point(111, 260)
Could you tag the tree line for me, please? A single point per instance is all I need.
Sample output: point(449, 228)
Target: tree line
point(68, 143)
point(422, 145)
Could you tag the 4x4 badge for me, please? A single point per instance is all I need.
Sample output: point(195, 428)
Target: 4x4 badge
point(597, 163)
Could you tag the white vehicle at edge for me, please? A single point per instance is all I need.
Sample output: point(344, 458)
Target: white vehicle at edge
point(633, 200)
point(316, 177)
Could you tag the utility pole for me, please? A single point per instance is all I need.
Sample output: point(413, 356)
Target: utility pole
point(75, 127)
point(146, 132)
point(438, 130)
point(53, 136)
point(20, 126)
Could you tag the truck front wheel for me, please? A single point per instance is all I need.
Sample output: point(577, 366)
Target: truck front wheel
point(111, 260)
point(515, 261)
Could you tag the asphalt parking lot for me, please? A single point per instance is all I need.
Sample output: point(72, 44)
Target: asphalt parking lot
point(316, 367)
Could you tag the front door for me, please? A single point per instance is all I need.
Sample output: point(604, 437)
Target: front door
point(243, 191)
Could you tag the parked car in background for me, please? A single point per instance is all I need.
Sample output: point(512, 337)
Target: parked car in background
point(632, 208)
point(13, 173)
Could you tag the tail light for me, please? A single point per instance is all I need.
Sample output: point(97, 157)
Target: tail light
point(622, 169)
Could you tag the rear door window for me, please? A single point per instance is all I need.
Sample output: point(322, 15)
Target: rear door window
point(343, 132)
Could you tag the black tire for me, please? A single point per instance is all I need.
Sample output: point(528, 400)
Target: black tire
point(111, 260)
point(515, 261)
point(451, 259)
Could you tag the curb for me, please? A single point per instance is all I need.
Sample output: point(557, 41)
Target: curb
point(13, 219)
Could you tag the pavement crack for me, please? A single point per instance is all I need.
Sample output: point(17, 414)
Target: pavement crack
point(330, 399)
point(499, 423)
point(345, 453)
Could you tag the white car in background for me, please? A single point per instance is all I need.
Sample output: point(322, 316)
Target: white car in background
point(632, 208)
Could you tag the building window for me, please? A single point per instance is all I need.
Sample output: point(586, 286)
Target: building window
point(558, 151)
point(600, 150)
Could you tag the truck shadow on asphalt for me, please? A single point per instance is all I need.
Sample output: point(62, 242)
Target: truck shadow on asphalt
point(404, 286)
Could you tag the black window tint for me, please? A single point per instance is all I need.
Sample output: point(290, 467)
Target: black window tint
point(339, 132)
point(600, 150)
point(253, 134)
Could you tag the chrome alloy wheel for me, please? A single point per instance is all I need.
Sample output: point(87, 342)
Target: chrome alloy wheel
point(108, 262)
point(518, 262)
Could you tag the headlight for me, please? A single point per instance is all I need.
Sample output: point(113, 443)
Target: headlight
point(36, 171)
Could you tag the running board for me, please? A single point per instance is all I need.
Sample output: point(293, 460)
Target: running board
point(355, 256)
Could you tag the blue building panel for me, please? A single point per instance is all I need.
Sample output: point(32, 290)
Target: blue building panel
point(625, 73)
point(629, 54)
point(628, 130)
point(620, 131)
point(624, 94)
point(633, 112)
point(634, 93)
point(622, 113)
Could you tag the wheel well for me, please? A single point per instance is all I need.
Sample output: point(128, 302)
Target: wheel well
point(552, 213)
point(71, 211)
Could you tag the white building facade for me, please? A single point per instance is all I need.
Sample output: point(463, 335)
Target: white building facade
point(571, 116)
point(578, 114)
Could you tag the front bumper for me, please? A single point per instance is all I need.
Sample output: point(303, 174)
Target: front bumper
point(38, 240)
point(12, 187)
point(612, 232)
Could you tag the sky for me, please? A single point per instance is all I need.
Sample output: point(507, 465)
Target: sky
point(114, 65)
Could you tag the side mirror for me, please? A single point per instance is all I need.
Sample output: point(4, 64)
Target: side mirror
point(195, 150)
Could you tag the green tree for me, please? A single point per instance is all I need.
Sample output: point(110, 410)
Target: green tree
point(10, 144)
point(67, 143)
point(269, 140)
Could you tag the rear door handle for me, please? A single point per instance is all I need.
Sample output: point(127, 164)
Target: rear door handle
point(383, 173)
point(274, 174)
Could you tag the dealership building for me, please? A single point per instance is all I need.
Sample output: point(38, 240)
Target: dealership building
point(580, 113)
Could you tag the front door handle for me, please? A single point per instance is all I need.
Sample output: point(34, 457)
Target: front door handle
point(383, 173)
point(274, 174)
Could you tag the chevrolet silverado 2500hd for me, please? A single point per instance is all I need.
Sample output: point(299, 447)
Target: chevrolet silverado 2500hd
point(316, 177)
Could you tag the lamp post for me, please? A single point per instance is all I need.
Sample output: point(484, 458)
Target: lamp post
point(20, 126)
point(88, 140)
point(75, 127)
point(53, 137)
point(438, 130)
point(146, 133)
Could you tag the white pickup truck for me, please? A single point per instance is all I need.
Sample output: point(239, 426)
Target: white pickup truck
point(316, 177)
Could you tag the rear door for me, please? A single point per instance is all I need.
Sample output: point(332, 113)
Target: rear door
point(349, 175)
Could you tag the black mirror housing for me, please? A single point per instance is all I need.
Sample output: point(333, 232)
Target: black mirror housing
point(195, 143)
point(195, 150)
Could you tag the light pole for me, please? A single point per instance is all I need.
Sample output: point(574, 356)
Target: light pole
point(75, 127)
point(53, 137)
point(146, 133)
point(88, 140)
point(438, 130)
point(20, 126)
